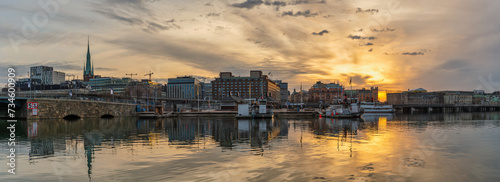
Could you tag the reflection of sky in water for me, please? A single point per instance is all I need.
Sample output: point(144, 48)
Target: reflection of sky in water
point(434, 147)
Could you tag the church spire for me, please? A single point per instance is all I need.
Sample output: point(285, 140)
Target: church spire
point(88, 69)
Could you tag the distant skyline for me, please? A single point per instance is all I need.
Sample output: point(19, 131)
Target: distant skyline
point(390, 44)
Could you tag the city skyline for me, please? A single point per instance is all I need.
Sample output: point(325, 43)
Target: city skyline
point(395, 45)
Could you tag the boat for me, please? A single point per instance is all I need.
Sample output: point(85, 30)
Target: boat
point(371, 107)
point(339, 111)
point(260, 110)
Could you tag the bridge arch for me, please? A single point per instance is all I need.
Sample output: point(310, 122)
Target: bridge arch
point(107, 116)
point(71, 117)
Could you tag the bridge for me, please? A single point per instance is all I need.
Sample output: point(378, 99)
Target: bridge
point(66, 108)
point(446, 107)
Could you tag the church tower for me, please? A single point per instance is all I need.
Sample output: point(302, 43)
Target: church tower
point(88, 68)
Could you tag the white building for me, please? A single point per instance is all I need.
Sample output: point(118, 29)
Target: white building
point(58, 77)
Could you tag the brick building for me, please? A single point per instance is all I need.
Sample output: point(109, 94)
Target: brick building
point(255, 86)
point(326, 93)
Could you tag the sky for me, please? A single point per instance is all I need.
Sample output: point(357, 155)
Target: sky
point(390, 44)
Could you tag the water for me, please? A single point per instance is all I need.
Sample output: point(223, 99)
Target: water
point(420, 147)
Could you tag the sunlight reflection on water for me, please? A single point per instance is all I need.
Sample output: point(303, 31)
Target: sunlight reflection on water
point(444, 147)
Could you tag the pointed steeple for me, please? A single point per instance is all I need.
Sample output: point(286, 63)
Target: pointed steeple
point(88, 68)
point(88, 62)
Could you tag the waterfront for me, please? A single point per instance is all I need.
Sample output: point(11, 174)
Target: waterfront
point(418, 147)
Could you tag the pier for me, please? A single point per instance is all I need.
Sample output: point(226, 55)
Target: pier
point(445, 108)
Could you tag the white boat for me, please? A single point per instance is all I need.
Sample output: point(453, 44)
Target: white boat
point(370, 107)
point(338, 111)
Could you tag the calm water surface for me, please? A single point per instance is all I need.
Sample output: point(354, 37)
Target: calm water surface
point(419, 147)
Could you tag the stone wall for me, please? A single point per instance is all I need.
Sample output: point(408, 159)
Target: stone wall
point(59, 108)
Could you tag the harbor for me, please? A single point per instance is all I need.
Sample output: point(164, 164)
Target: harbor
point(227, 148)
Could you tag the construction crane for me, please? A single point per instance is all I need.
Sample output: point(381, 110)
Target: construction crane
point(70, 75)
point(131, 74)
point(150, 73)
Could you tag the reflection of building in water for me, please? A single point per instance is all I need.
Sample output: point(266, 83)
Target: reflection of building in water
point(331, 126)
point(225, 133)
point(181, 132)
point(243, 131)
point(42, 147)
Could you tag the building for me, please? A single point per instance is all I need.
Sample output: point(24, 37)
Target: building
point(283, 91)
point(88, 69)
point(58, 77)
point(299, 97)
point(256, 86)
point(185, 87)
point(420, 97)
point(362, 95)
point(326, 93)
point(43, 73)
point(47, 75)
point(207, 91)
point(106, 84)
point(458, 97)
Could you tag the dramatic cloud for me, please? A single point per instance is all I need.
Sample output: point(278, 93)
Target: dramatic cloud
point(419, 53)
point(360, 37)
point(383, 30)
point(306, 13)
point(212, 14)
point(282, 36)
point(320, 33)
point(359, 10)
point(413, 53)
point(249, 4)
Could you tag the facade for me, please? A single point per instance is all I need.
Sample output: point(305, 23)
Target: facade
point(105, 84)
point(395, 98)
point(184, 88)
point(256, 86)
point(43, 73)
point(285, 94)
point(88, 69)
point(363, 95)
point(58, 77)
point(326, 93)
point(458, 98)
point(415, 98)
point(142, 90)
point(207, 91)
point(299, 97)
point(441, 97)
point(47, 75)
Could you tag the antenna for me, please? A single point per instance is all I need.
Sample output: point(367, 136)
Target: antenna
point(150, 73)
point(131, 74)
